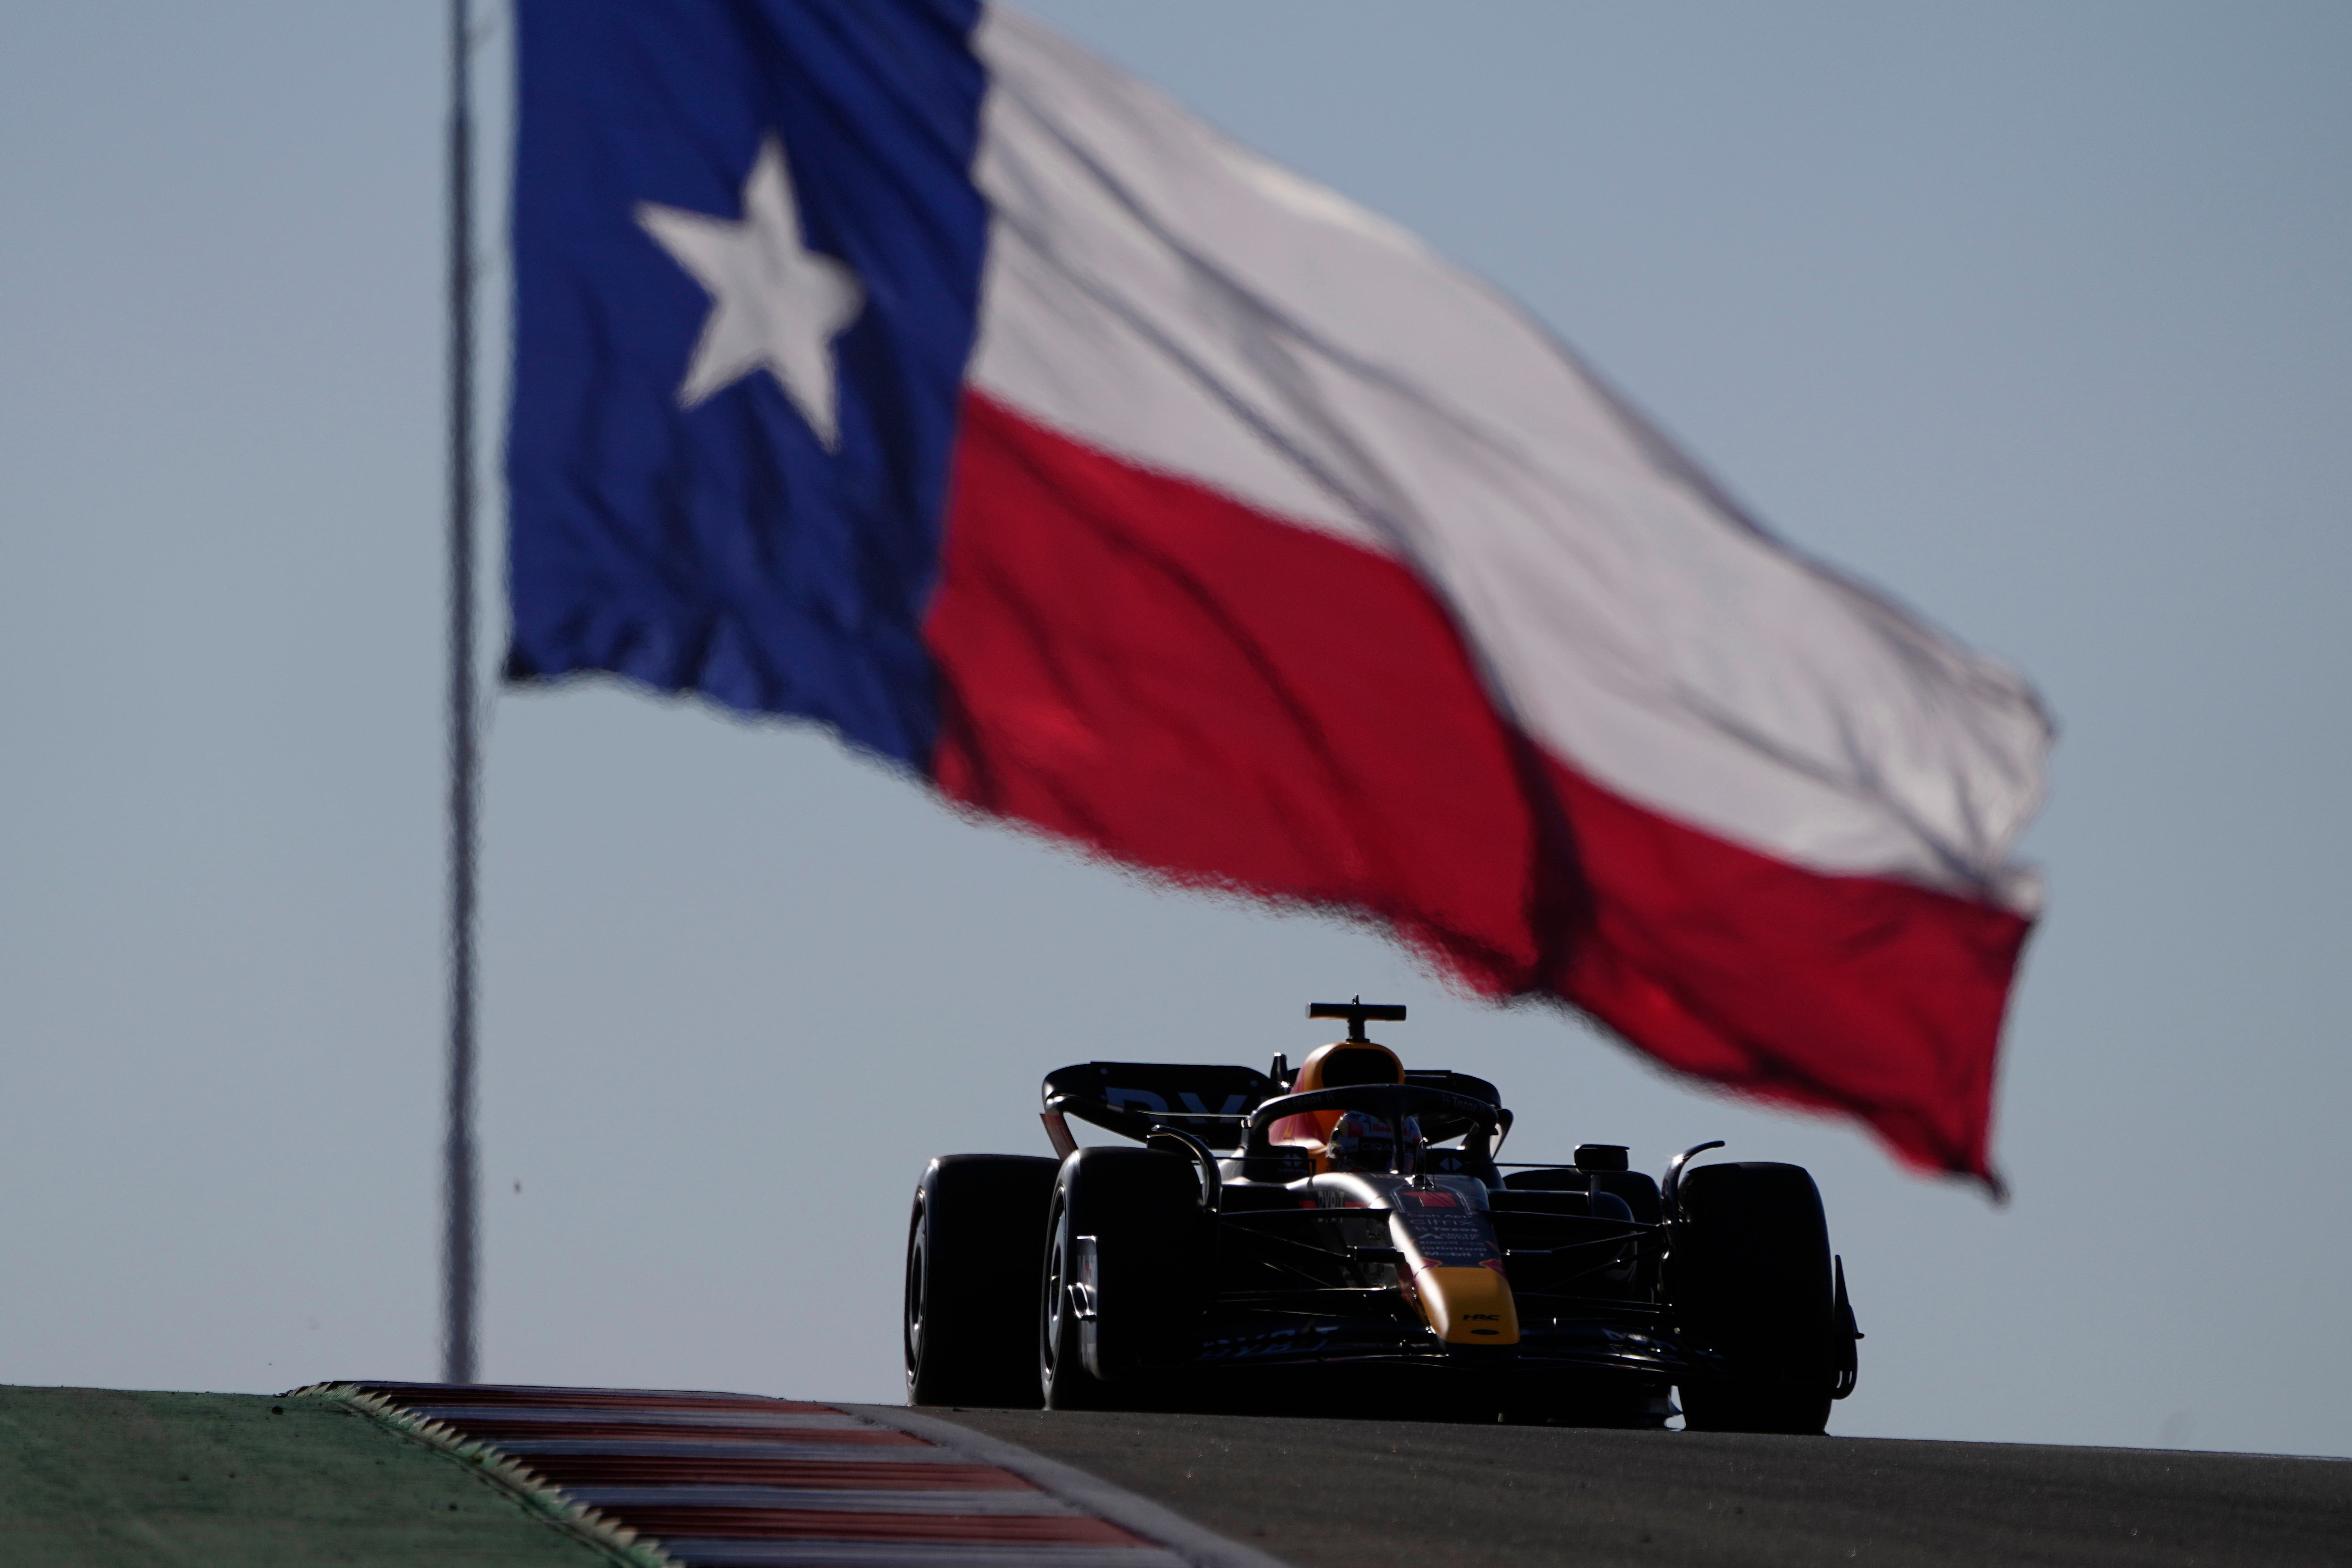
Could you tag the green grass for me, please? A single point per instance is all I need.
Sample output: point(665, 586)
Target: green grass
point(104, 1478)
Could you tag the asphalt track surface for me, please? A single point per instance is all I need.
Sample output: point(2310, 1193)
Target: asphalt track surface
point(1367, 1494)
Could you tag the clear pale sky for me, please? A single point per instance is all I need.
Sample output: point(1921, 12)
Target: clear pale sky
point(2040, 317)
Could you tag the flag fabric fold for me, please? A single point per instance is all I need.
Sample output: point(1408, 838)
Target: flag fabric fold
point(1124, 484)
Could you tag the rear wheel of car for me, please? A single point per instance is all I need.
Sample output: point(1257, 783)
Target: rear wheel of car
point(972, 1255)
point(1749, 1278)
point(1124, 1272)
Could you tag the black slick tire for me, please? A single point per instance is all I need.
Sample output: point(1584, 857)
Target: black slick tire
point(1747, 1278)
point(1124, 1274)
point(972, 1255)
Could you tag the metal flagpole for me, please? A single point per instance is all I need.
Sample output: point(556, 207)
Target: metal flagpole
point(460, 1241)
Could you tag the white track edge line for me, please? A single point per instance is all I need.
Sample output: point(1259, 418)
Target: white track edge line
point(1196, 1544)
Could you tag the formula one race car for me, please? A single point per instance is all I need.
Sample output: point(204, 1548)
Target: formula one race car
point(1342, 1238)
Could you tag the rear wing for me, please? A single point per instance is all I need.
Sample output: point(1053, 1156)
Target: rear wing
point(1454, 1083)
point(1133, 1099)
point(1212, 1103)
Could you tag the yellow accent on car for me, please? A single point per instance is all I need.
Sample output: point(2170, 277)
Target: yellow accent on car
point(1468, 1306)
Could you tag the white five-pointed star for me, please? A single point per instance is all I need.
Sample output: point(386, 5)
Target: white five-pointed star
point(775, 304)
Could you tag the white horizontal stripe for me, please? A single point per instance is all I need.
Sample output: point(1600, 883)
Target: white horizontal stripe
point(1160, 293)
point(717, 1551)
point(993, 1501)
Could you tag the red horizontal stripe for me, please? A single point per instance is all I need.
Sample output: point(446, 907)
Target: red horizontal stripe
point(1139, 666)
point(620, 1469)
point(1835, 992)
point(586, 1431)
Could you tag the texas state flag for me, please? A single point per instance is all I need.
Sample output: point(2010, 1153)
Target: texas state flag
point(899, 366)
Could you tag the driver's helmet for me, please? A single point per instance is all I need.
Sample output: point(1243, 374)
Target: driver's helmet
point(1338, 1065)
point(1363, 1141)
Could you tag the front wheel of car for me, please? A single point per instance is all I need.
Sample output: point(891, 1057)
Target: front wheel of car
point(1747, 1279)
point(1126, 1268)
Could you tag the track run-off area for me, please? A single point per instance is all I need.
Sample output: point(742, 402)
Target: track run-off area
point(386, 1473)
